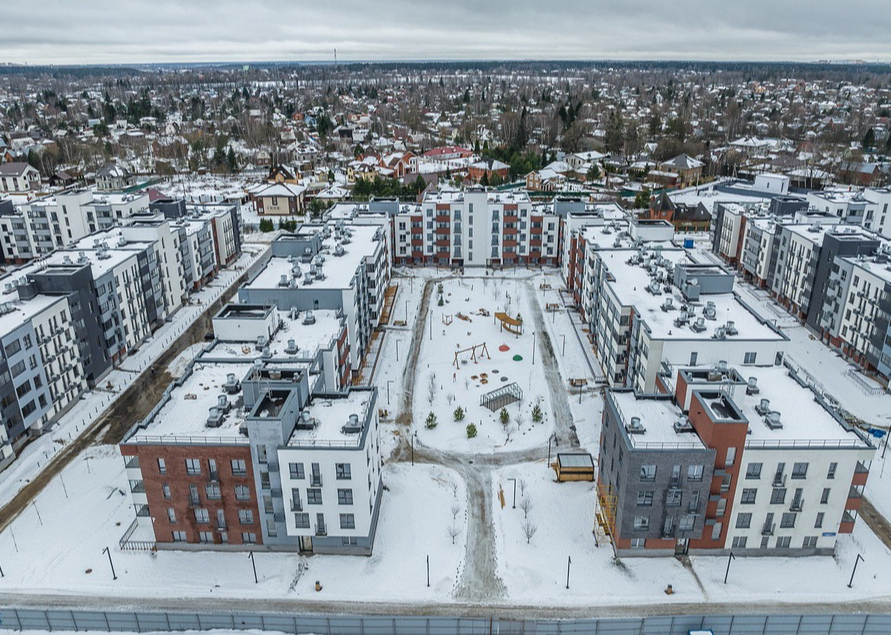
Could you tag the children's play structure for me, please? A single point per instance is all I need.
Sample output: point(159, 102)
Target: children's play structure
point(510, 324)
point(477, 352)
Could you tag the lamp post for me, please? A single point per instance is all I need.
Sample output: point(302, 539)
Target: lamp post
point(727, 572)
point(413, 437)
point(551, 438)
point(397, 350)
point(856, 560)
point(254, 565)
point(514, 506)
point(428, 570)
point(114, 576)
point(563, 350)
point(389, 381)
point(533, 348)
point(406, 311)
point(568, 565)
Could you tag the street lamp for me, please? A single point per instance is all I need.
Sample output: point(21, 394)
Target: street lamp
point(563, 353)
point(413, 437)
point(114, 576)
point(858, 559)
point(397, 350)
point(533, 348)
point(406, 311)
point(389, 381)
point(254, 565)
point(727, 572)
point(515, 492)
point(568, 565)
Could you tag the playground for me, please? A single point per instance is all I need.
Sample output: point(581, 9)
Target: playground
point(478, 355)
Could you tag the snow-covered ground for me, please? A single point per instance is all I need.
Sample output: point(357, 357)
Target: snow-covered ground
point(92, 405)
point(56, 546)
point(441, 386)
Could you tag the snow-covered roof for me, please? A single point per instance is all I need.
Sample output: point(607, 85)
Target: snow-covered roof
point(331, 415)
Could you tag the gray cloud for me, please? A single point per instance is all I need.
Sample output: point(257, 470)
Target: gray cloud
point(103, 31)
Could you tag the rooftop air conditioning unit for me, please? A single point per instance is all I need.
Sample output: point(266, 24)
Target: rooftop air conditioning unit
point(307, 278)
point(352, 426)
point(215, 418)
point(752, 386)
point(305, 421)
point(668, 305)
point(223, 403)
point(266, 352)
point(261, 342)
point(309, 318)
point(283, 281)
point(635, 426)
point(730, 327)
point(773, 420)
point(683, 425)
point(763, 407)
point(291, 348)
point(231, 386)
point(709, 310)
point(699, 325)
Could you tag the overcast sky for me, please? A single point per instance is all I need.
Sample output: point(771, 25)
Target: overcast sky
point(130, 31)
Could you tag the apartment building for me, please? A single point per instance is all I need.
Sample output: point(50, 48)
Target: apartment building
point(756, 465)
point(867, 207)
point(342, 266)
point(270, 446)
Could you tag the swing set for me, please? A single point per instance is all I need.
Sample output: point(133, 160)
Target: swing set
point(477, 352)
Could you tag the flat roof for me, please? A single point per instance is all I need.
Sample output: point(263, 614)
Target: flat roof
point(21, 312)
point(185, 412)
point(657, 416)
point(630, 287)
point(309, 338)
point(331, 415)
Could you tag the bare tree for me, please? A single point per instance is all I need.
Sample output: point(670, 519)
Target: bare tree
point(467, 383)
point(522, 485)
point(526, 506)
point(455, 510)
point(454, 531)
point(529, 530)
point(431, 388)
point(451, 398)
point(519, 419)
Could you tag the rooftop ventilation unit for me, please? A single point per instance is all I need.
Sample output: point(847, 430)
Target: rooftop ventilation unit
point(814, 228)
point(655, 288)
point(699, 325)
point(720, 333)
point(763, 407)
point(730, 327)
point(752, 386)
point(773, 420)
point(293, 283)
point(283, 281)
point(295, 270)
point(682, 320)
point(291, 348)
point(352, 426)
point(293, 313)
point(231, 386)
point(309, 318)
point(261, 342)
point(722, 366)
point(635, 426)
point(668, 305)
point(709, 310)
point(266, 352)
point(306, 422)
point(339, 250)
point(103, 254)
point(275, 374)
point(66, 260)
point(683, 425)
point(307, 278)
point(223, 403)
point(215, 418)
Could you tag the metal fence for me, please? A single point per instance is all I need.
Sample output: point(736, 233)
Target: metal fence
point(77, 620)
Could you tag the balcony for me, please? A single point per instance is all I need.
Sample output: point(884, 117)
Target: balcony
point(296, 506)
point(797, 505)
point(854, 492)
point(315, 480)
point(779, 480)
point(137, 487)
point(321, 530)
point(768, 529)
point(131, 462)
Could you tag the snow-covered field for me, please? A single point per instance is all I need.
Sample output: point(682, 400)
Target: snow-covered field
point(56, 546)
point(441, 386)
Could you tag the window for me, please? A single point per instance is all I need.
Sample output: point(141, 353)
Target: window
point(344, 497)
point(749, 358)
point(645, 499)
point(693, 504)
point(239, 467)
point(673, 498)
point(638, 543)
point(716, 531)
point(694, 356)
point(819, 522)
point(347, 521)
point(743, 521)
point(213, 491)
point(731, 457)
point(201, 515)
point(313, 496)
point(343, 471)
point(824, 499)
point(739, 542)
point(165, 490)
point(205, 536)
point(301, 520)
point(296, 470)
point(242, 492)
point(171, 515)
point(748, 496)
point(179, 536)
point(809, 542)
point(686, 523)
point(694, 473)
point(832, 468)
point(753, 471)
point(12, 348)
point(162, 466)
point(722, 507)
point(784, 542)
point(778, 496)
point(799, 470)
point(787, 521)
point(193, 495)
point(641, 523)
point(261, 453)
point(725, 482)
point(246, 516)
point(249, 538)
point(193, 467)
point(648, 472)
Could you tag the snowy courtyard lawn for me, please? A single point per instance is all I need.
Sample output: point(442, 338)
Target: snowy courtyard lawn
point(466, 320)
